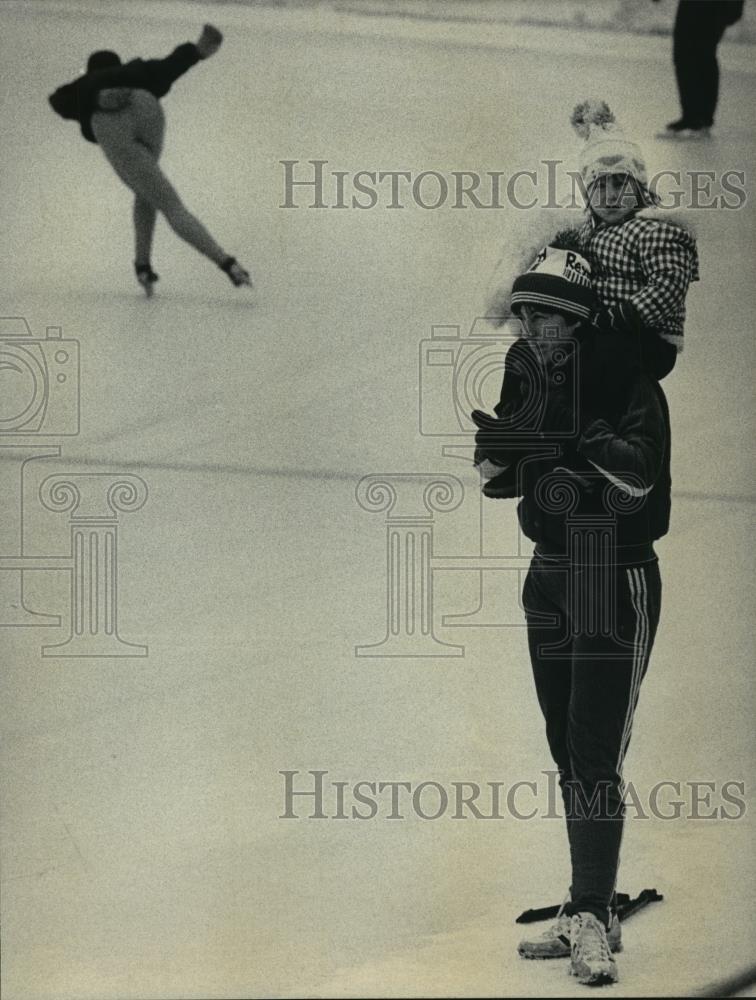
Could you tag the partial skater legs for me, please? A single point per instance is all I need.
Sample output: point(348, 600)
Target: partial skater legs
point(131, 140)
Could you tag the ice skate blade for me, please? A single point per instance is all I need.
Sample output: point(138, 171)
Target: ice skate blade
point(686, 135)
point(147, 281)
point(240, 278)
point(529, 957)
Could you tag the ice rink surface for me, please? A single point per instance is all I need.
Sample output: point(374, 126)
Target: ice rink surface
point(142, 850)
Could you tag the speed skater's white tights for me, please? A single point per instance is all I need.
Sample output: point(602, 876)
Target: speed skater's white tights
point(132, 140)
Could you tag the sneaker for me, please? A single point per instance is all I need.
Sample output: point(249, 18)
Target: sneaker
point(555, 941)
point(591, 957)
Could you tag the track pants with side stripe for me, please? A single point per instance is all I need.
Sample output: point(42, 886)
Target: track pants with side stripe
point(590, 636)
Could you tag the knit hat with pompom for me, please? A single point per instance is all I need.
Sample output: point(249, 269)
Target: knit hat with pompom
point(607, 149)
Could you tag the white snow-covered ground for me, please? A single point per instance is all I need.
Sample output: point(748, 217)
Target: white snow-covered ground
point(142, 850)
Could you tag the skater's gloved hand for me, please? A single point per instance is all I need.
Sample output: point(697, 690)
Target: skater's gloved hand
point(493, 439)
point(489, 469)
point(620, 318)
point(498, 478)
point(505, 486)
point(114, 99)
point(209, 41)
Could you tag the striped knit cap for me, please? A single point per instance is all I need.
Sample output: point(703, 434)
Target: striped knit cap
point(557, 280)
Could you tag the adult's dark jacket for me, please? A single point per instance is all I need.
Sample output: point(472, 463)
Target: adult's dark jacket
point(78, 100)
point(601, 450)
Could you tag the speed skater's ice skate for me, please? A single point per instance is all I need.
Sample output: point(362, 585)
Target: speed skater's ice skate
point(235, 272)
point(146, 278)
point(682, 131)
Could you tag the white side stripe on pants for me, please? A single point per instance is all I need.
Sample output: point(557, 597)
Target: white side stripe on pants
point(636, 579)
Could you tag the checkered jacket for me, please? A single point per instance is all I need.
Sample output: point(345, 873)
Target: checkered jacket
point(648, 261)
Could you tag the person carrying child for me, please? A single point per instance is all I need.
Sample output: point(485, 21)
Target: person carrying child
point(591, 464)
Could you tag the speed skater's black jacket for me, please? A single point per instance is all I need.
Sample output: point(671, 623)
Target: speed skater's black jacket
point(78, 100)
point(599, 448)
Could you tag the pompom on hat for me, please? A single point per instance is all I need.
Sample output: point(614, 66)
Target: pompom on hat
point(558, 280)
point(607, 149)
